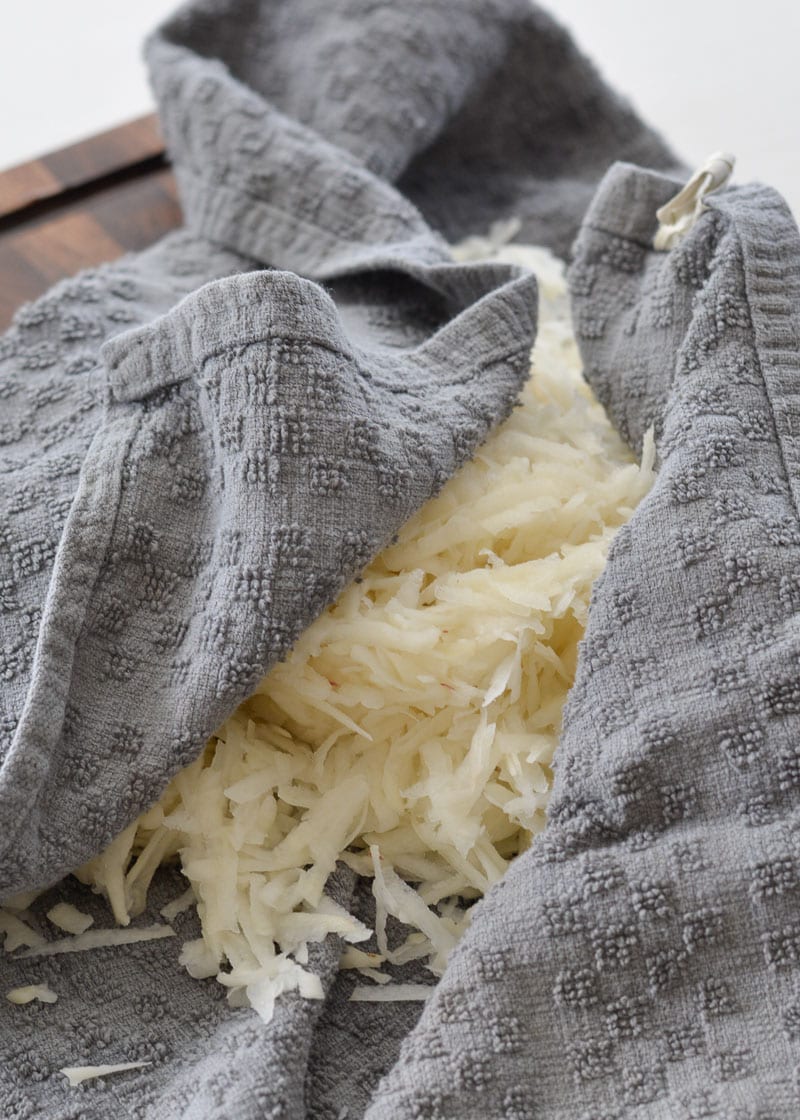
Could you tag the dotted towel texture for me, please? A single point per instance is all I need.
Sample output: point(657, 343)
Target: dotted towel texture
point(641, 961)
point(201, 444)
point(198, 451)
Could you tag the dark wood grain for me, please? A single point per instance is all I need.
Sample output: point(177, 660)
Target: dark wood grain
point(77, 207)
point(116, 151)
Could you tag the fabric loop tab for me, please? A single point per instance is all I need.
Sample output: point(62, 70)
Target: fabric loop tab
point(678, 215)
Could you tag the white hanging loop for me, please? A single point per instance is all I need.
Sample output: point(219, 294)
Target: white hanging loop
point(677, 216)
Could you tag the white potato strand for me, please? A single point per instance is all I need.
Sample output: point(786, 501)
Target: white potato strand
point(411, 730)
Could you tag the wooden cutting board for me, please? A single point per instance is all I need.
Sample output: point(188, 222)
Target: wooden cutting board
point(80, 206)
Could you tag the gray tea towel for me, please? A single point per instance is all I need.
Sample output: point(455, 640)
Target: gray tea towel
point(203, 443)
point(181, 499)
point(643, 959)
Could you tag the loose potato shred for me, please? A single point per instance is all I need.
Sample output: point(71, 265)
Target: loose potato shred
point(411, 730)
point(30, 992)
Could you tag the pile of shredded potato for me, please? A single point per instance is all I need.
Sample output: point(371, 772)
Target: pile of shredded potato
point(410, 732)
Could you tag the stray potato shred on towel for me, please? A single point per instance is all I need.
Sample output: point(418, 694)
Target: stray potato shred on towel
point(29, 992)
point(410, 732)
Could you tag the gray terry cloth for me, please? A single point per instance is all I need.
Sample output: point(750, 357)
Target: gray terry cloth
point(643, 959)
point(182, 499)
point(179, 500)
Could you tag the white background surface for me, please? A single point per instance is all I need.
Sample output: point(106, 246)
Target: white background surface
point(709, 75)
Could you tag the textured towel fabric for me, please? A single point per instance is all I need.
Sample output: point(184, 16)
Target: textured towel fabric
point(182, 500)
point(642, 960)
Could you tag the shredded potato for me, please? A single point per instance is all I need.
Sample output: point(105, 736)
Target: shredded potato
point(69, 919)
point(75, 1075)
point(97, 939)
point(29, 992)
point(411, 730)
point(16, 932)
